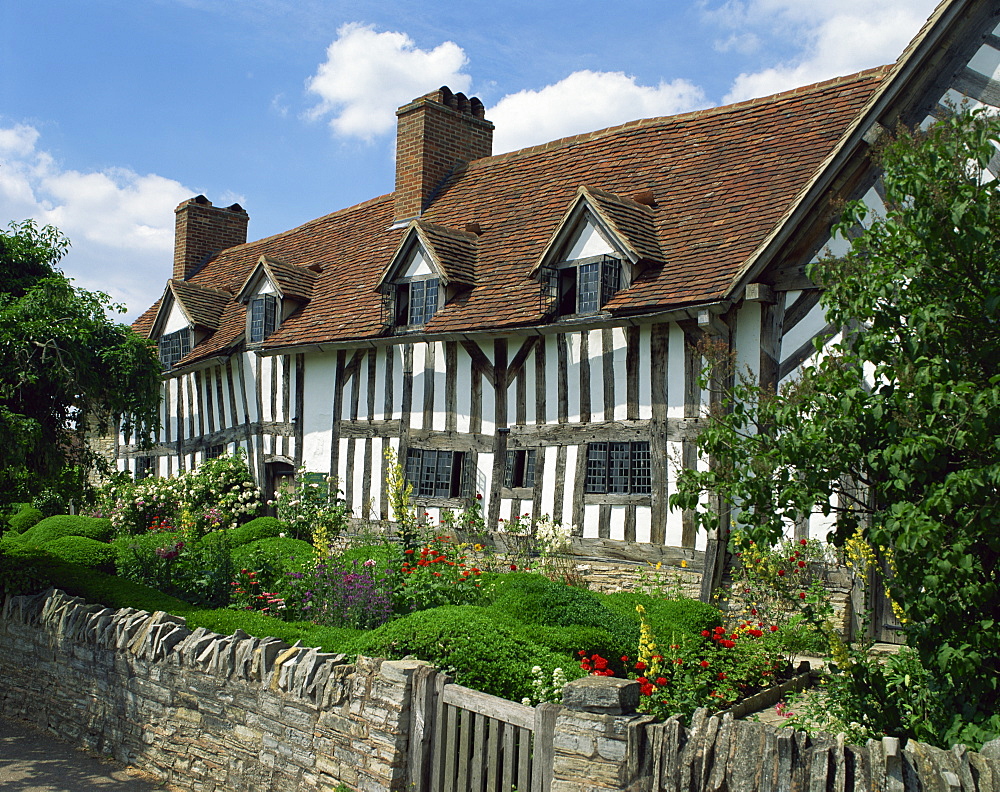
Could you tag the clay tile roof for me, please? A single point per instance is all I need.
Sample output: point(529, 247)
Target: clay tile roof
point(632, 221)
point(454, 250)
point(289, 279)
point(203, 305)
point(723, 179)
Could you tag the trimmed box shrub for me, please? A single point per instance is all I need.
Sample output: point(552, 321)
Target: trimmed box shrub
point(83, 551)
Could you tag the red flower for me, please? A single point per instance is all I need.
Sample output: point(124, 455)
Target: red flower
point(661, 681)
point(641, 680)
point(774, 628)
point(803, 542)
point(802, 564)
point(624, 658)
point(705, 633)
point(600, 663)
point(640, 666)
point(582, 652)
point(513, 567)
point(802, 595)
point(753, 611)
point(647, 689)
point(719, 630)
point(781, 573)
point(720, 675)
point(478, 496)
point(678, 660)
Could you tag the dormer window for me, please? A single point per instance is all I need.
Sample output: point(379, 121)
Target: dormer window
point(175, 346)
point(417, 301)
point(582, 286)
point(262, 317)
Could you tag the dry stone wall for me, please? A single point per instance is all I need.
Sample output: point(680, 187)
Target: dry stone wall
point(208, 713)
point(201, 710)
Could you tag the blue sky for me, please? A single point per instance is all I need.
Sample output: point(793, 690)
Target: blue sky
point(113, 111)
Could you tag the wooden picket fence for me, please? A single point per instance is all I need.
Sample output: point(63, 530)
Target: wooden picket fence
point(462, 740)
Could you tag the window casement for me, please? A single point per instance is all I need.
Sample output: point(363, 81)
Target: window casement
point(145, 467)
point(262, 317)
point(436, 474)
point(520, 468)
point(416, 301)
point(174, 347)
point(215, 451)
point(583, 286)
point(619, 468)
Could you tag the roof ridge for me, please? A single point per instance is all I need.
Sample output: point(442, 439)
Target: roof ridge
point(692, 114)
point(344, 211)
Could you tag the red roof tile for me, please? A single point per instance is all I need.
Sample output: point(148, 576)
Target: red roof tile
point(722, 178)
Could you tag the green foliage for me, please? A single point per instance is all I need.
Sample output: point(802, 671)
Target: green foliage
point(257, 528)
point(64, 365)
point(67, 525)
point(437, 573)
point(49, 502)
point(281, 555)
point(219, 494)
point(895, 428)
point(682, 615)
point(25, 519)
point(83, 551)
point(466, 642)
point(22, 569)
point(311, 508)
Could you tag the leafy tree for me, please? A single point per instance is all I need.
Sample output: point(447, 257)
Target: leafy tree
point(896, 429)
point(63, 364)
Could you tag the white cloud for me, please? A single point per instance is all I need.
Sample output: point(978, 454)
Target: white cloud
point(836, 38)
point(582, 102)
point(120, 223)
point(368, 74)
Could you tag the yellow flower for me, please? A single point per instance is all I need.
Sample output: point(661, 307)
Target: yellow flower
point(684, 563)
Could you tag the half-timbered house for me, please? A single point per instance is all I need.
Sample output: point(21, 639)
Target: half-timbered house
point(525, 326)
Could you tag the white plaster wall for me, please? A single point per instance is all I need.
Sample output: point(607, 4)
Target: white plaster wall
point(591, 520)
point(567, 493)
point(529, 387)
point(418, 264)
point(643, 523)
point(440, 386)
point(549, 494)
point(595, 355)
point(618, 522)
point(551, 378)
point(747, 340)
point(176, 320)
point(573, 347)
point(588, 241)
point(675, 372)
point(463, 386)
point(317, 418)
point(645, 374)
point(419, 377)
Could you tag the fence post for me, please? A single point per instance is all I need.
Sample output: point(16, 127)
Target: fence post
point(598, 739)
point(422, 712)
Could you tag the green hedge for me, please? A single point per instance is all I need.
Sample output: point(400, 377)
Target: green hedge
point(258, 528)
point(25, 518)
point(61, 525)
point(684, 615)
point(83, 551)
point(477, 650)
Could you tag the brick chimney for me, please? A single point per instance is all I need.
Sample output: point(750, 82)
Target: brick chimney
point(202, 230)
point(436, 134)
